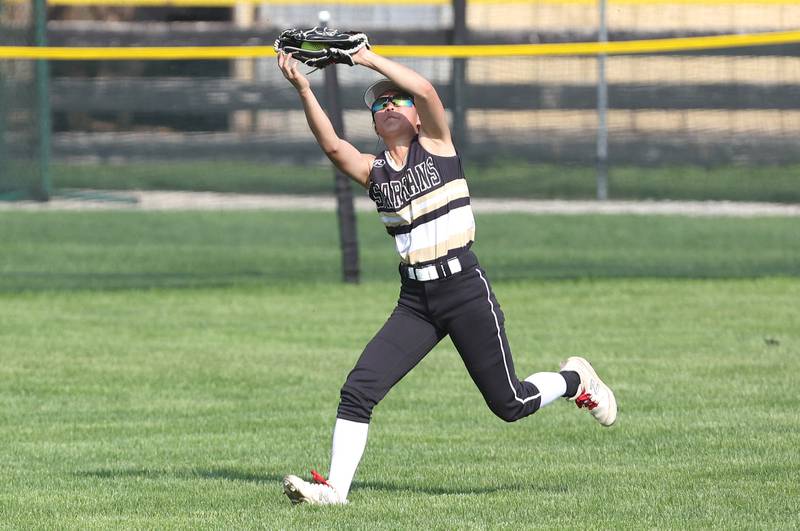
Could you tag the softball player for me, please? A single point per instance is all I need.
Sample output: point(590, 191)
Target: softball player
point(421, 195)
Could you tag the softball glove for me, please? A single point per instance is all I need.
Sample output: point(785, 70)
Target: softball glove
point(319, 47)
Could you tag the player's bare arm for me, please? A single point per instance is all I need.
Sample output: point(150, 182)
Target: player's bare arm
point(434, 132)
point(342, 153)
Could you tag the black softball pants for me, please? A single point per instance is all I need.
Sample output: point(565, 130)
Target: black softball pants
point(462, 306)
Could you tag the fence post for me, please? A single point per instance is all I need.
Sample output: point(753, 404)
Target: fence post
point(458, 79)
point(44, 189)
point(244, 121)
point(4, 154)
point(602, 110)
point(344, 194)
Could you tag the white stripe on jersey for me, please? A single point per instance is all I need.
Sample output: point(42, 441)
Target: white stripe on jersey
point(427, 203)
point(456, 241)
point(437, 231)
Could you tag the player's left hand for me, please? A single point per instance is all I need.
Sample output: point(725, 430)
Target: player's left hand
point(358, 57)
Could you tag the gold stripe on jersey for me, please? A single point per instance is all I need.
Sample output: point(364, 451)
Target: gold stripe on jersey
point(442, 248)
point(427, 203)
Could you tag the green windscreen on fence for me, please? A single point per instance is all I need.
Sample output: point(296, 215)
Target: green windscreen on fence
point(21, 171)
point(703, 124)
point(721, 126)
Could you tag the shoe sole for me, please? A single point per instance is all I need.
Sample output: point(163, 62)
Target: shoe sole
point(292, 491)
point(587, 367)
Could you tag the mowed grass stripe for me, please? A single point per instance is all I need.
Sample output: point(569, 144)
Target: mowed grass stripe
point(119, 250)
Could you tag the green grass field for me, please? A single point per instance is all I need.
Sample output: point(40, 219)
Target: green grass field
point(165, 370)
point(506, 178)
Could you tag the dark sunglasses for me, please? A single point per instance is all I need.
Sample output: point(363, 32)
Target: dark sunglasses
point(397, 101)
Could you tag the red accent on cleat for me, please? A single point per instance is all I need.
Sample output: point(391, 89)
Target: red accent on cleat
point(585, 400)
point(319, 478)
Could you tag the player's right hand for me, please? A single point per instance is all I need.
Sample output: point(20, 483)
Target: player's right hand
point(290, 69)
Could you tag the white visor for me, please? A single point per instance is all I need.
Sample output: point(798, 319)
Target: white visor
point(374, 91)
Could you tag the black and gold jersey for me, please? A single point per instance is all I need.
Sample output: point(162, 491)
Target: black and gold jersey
point(424, 205)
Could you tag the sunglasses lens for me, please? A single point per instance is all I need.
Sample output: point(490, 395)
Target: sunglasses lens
point(397, 101)
point(379, 104)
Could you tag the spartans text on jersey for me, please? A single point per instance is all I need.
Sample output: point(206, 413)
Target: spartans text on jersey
point(414, 182)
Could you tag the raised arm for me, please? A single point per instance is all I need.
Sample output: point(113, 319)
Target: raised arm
point(426, 100)
point(342, 153)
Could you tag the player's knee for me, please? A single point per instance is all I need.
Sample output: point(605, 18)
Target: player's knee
point(506, 415)
point(511, 412)
point(355, 404)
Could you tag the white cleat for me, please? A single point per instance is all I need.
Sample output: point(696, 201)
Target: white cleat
point(592, 393)
point(320, 492)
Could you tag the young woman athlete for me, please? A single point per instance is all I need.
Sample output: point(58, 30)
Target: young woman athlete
point(422, 198)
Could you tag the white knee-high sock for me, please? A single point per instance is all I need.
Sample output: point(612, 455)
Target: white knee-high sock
point(550, 384)
point(349, 441)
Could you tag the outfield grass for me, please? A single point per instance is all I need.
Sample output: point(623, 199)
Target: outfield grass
point(496, 179)
point(165, 370)
point(120, 250)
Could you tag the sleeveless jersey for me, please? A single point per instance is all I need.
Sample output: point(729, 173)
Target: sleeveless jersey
point(424, 205)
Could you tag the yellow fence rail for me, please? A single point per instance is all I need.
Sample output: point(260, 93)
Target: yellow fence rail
point(463, 51)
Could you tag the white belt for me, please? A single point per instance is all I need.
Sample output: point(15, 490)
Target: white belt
point(431, 272)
